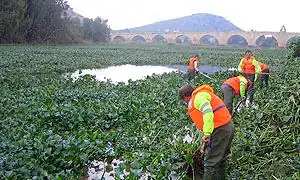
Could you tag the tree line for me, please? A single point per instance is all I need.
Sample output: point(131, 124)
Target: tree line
point(47, 21)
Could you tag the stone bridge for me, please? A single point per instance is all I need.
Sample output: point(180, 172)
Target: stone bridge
point(241, 38)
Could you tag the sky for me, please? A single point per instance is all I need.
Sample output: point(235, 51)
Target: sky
point(259, 15)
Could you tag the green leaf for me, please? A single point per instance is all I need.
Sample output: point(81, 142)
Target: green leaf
point(259, 115)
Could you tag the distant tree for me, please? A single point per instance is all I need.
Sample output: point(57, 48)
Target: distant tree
point(266, 41)
point(294, 48)
point(46, 21)
point(96, 30)
point(12, 13)
point(88, 29)
point(74, 30)
point(101, 31)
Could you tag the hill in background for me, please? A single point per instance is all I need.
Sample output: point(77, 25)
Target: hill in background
point(201, 22)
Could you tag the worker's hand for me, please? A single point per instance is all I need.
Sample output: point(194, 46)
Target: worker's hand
point(206, 139)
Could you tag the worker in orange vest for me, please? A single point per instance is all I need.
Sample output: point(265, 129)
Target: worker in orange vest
point(264, 76)
point(193, 66)
point(235, 86)
point(250, 69)
point(210, 115)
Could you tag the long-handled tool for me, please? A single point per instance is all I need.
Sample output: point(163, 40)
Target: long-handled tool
point(205, 75)
point(269, 73)
point(210, 78)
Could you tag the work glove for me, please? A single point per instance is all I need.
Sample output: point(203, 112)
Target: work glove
point(247, 103)
point(240, 107)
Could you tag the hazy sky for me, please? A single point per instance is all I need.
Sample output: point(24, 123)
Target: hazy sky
point(260, 15)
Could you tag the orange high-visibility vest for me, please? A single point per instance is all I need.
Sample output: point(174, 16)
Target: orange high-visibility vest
point(191, 63)
point(234, 82)
point(263, 66)
point(247, 65)
point(221, 113)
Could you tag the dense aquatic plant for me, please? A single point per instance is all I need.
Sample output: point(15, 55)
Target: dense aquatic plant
point(53, 127)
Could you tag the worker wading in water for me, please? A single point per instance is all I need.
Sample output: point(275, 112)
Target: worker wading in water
point(193, 67)
point(210, 115)
point(235, 86)
point(264, 75)
point(249, 67)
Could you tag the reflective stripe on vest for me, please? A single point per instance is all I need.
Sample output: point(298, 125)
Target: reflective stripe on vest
point(218, 108)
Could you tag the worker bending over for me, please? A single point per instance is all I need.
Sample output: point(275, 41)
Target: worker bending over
point(211, 116)
point(264, 75)
point(235, 86)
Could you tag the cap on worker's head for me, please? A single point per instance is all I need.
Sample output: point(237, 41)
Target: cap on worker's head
point(185, 91)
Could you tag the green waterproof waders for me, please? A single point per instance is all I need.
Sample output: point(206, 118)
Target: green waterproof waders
point(251, 88)
point(191, 74)
point(228, 94)
point(217, 151)
point(264, 78)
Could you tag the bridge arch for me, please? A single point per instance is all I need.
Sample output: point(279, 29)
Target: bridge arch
point(291, 40)
point(237, 40)
point(159, 39)
point(118, 39)
point(139, 39)
point(254, 38)
point(183, 39)
point(266, 40)
point(209, 40)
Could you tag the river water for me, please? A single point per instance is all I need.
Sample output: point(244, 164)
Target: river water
point(123, 73)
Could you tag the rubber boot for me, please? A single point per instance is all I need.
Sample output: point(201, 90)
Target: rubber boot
point(222, 173)
point(211, 173)
point(261, 83)
point(267, 82)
